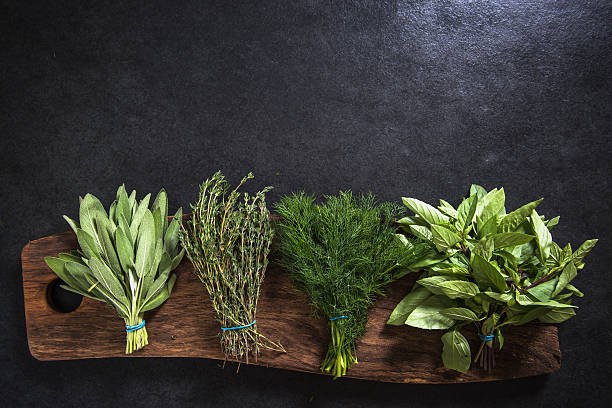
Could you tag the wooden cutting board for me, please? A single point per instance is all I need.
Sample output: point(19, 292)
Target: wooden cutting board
point(184, 326)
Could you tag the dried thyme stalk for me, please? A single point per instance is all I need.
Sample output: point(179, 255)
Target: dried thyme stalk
point(228, 240)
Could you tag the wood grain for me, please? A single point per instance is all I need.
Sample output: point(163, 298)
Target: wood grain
point(184, 326)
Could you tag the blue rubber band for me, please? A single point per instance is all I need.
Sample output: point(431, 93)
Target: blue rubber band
point(339, 317)
point(488, 337)
point(239, 327)
point(134, 328)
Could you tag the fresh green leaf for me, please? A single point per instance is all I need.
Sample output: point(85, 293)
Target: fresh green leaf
point(510, 222)
point(543, 237)
point(145, 244)
point(486, 274)
point(460, 313)
point(427, 315)
point(557, 315)
point(507, 239)
point(459, 289)
point(456, 353)
point(444, 238)
point(466, 211)
point(428, 213)
point(407, 305)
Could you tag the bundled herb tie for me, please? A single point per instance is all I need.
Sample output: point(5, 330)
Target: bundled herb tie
point(228, 240)
point(341, 254)
point(487, 268)
point(125, 257)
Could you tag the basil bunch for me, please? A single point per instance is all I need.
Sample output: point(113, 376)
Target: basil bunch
point(125, 257)
point(488, 268)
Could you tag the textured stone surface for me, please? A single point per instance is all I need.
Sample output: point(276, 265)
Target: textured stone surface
point(411, 97)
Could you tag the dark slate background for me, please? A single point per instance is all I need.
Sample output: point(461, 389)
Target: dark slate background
point(415, 98)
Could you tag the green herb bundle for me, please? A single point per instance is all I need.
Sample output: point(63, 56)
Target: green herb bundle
point(489, 269)
point(341, 254)
point(228, 240)
point(125, 257)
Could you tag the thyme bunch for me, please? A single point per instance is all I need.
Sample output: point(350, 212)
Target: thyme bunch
point(341, 254)
point(228, 241)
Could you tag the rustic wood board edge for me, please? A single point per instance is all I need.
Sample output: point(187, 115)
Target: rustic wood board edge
point(386, 353)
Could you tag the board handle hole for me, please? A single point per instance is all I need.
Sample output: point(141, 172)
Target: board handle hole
point(61, 299)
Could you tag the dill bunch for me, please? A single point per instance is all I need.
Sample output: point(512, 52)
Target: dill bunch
point(341, 254)
point(228, 240)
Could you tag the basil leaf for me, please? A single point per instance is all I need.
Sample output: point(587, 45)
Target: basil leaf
point(458, 289)
point(421, 232)
point(507, 239)
point(478, 191)
point(584, 249)
point(466, 211)
point(460, 313)
point(511, 221)
point(492, 204)
point(557, 315)
point(486, 274)
point(433, 283)
point(444, 238)
point(543, 237)
point(447, 209)
point(407, 305)
point(428, 213)
point(456, 353)
point(427, 315)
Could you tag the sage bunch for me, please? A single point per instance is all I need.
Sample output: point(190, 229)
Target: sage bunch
point(125, 258)
point(487, 269)
point(228, 240)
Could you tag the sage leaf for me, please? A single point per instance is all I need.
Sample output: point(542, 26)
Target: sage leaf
point(138, 215)
point(146, 244)
point(161, 202)
point(125, 249)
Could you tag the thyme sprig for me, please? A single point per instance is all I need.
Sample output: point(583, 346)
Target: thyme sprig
point(228, 241)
